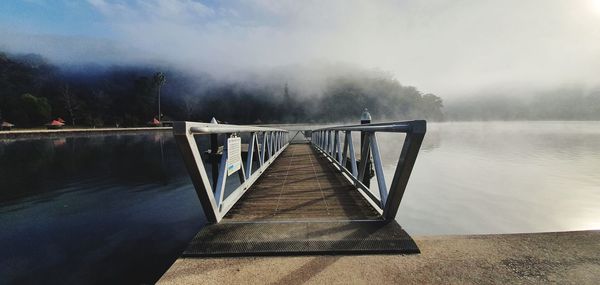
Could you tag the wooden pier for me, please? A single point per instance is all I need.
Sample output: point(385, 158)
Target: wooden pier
point(301, 185)
point(298, 195)
point(301, 205)
point(310, 199)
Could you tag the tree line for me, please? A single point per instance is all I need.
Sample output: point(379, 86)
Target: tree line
point(33, 92)
point(569, 103)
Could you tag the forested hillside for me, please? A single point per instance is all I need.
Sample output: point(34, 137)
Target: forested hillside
point(33, 91)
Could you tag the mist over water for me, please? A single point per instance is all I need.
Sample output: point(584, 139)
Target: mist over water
point(503, 177)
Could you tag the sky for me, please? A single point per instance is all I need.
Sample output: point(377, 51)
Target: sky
point(447, 47)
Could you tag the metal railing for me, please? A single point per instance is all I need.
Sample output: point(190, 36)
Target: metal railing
point(267, 143)
point(338, 151)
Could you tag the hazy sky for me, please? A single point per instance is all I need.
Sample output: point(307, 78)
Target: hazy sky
point(446, 47)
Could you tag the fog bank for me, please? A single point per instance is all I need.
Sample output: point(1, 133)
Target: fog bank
point(449, 48)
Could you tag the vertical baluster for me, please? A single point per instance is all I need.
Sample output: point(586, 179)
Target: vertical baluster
point(250, 155)
point(321, 139)
point(364, 156)
point(345, 150)
point(325, 149)
point(352, 154)
point(383, 192)
point(271, 144)
point(263, 149)
point(220, 189)
point(331, 144)
point(335, 143)
point(338, 146)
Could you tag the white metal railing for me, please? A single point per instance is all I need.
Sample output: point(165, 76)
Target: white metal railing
point(329, 142)
point(267, 143)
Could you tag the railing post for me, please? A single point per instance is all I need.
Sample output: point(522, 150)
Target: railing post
point(195, 166)
point(250, 155)
point(408, 156)
point(345, 150)
point(321, 139)
point(331, 143)
point(338, 146)
point(383, 192)
point(364, 152)
point(214, 148)
point(222, 177)
point(352, 154)
point(270, 143)
point(326, 148)
point(263, 148)
point(365, 118)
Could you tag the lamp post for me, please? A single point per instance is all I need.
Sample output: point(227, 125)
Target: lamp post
point(159, 80)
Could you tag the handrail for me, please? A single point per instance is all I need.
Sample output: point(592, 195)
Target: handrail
point(328, 141)
point(208, 128)
point(399, 127)
point(267, 143)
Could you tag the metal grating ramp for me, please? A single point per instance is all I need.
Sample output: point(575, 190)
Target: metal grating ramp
point(300, 238)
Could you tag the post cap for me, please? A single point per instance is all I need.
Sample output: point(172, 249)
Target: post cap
point(366, 116)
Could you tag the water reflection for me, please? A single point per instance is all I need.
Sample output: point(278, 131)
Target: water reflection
point(502, 177)
point(102, 209)
point(120, 209)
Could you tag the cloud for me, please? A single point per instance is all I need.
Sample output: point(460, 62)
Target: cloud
point(447, 47)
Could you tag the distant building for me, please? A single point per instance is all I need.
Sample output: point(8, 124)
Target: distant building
point(154, 123)
point(6, 126)
point(55, 124)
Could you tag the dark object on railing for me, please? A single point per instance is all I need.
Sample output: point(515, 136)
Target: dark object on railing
point(327, 140)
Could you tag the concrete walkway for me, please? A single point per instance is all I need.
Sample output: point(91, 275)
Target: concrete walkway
point(562, 258)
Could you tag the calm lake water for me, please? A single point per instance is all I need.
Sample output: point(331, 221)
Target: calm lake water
point(121, 208)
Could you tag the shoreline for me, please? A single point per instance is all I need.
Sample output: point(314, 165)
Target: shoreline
point(49, 133)
point(527, 258)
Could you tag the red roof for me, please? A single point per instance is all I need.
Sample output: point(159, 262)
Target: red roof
point(56, 123)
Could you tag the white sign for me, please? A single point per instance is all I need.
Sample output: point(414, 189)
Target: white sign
point(234, 155)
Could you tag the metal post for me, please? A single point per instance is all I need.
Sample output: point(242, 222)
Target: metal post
point(365, 118)
point(214, 162)
point(408, 156)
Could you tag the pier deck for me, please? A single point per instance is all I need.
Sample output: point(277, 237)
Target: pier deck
point(301, 186)
point(301, 205)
